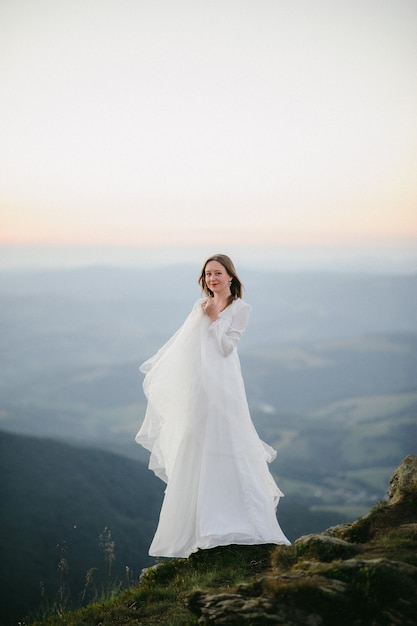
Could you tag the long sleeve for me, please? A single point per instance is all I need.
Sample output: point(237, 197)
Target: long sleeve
point(226, 331)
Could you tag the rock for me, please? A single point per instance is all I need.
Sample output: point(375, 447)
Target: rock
point(146, 570)
point(404, 481)
point(400, 509)
point(321, 581)
point(344, 593)
point(324, 547)
point(335, 531)
point(278, 603)
point(224, 608)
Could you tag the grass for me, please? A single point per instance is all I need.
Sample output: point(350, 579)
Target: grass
point(160, 599)
point(368, 582)
point(398, 544)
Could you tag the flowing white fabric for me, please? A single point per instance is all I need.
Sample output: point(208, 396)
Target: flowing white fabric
point(203, 442)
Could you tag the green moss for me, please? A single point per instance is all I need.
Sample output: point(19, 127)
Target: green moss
point(372, 588)
point(324, 549)
point(399, 544)
point(307, 594)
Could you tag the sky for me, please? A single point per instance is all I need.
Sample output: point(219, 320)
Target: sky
point(207, 125)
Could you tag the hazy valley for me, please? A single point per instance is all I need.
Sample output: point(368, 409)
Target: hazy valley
point(330, 366)
point(322, 353)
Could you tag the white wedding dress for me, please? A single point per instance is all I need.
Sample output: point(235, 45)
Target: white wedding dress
point(203, 443)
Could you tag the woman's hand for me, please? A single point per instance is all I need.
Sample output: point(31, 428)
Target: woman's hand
point(210, 309)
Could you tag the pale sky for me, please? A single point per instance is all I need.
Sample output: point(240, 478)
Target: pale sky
point(212, 122)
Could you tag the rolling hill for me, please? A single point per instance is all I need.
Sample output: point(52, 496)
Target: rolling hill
point(56, 501)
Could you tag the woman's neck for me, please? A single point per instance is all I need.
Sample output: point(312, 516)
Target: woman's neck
point(221, 300)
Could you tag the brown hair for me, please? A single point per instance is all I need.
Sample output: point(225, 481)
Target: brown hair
point(236, 286)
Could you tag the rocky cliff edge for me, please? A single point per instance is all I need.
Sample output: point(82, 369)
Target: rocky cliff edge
point(358, 574)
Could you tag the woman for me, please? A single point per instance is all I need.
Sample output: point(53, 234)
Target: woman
point(199, 431)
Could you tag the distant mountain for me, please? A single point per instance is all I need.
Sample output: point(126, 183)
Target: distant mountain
point(104, 315)
point(72, 342)
point(56, 500)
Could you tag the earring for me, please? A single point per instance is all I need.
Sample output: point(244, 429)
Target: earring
point(230, 282)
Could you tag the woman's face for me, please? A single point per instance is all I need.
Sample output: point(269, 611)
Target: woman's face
point(217, 278)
